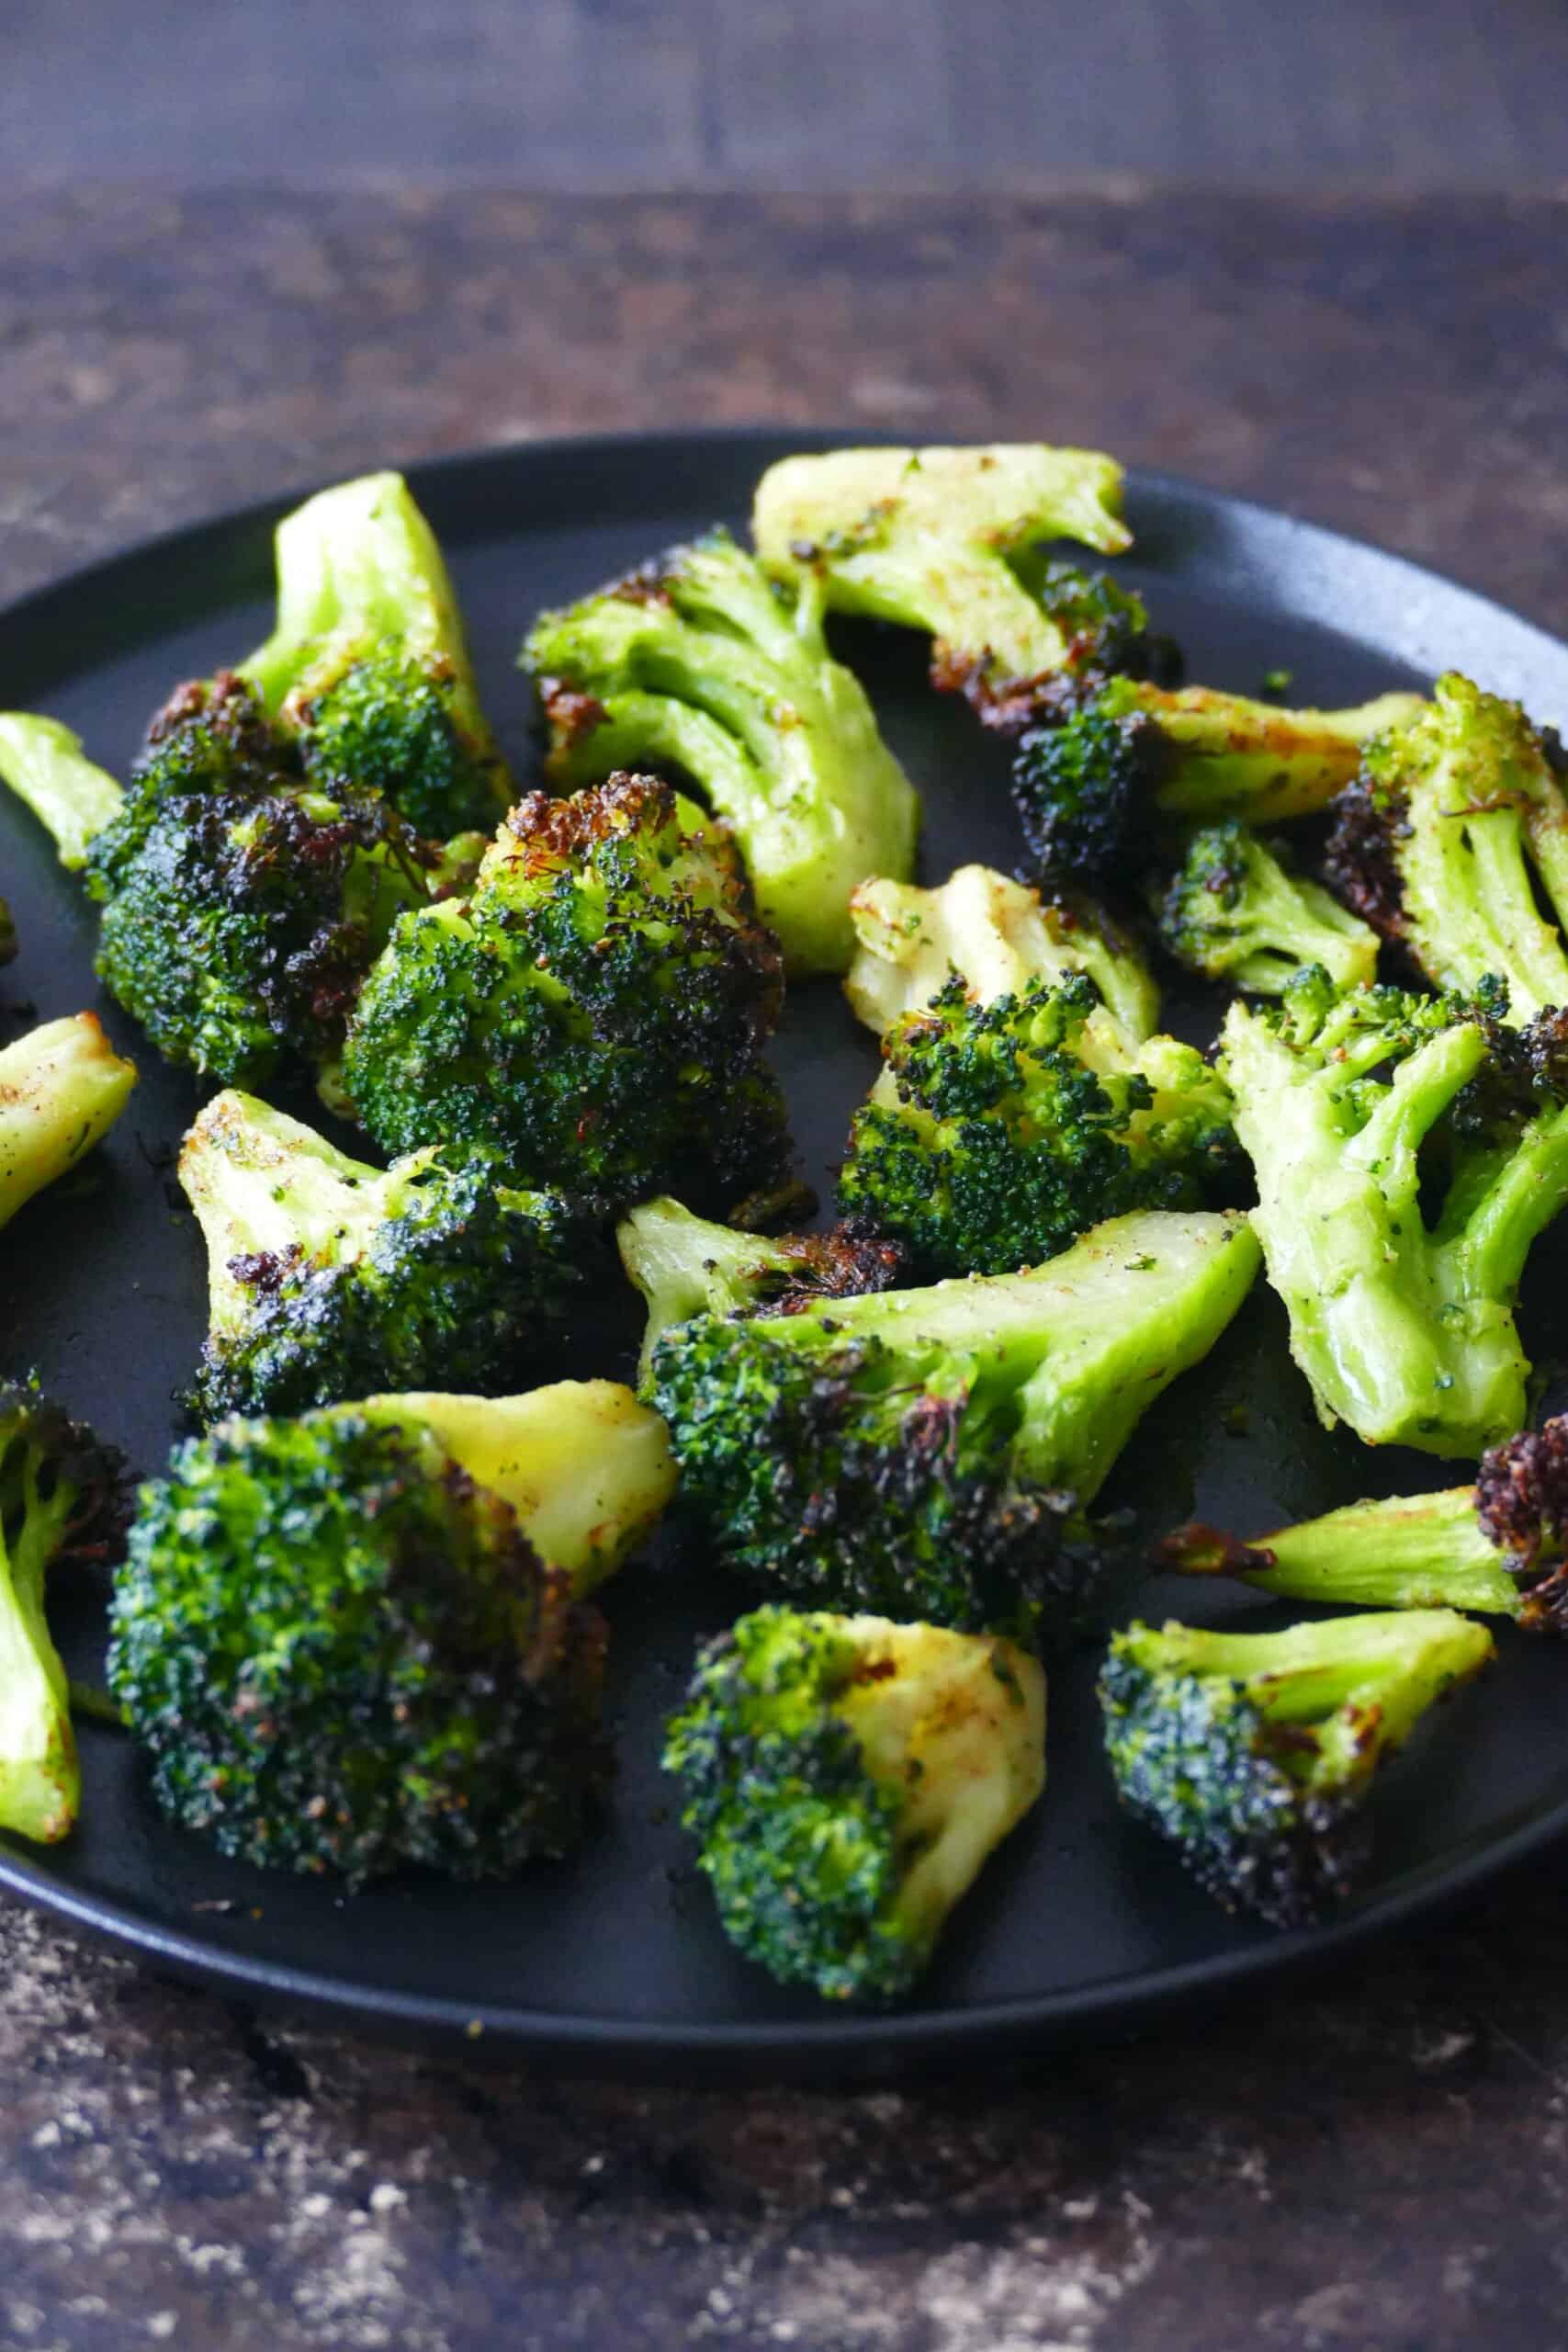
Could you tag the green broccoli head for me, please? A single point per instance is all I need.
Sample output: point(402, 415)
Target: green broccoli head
point(997, 1134)
point(1254, 1754)
point(387, 723)
point(1234, 911)
point(330, 1278)
point(340, 1654)
point(697, 663)
point(62, 1086)
point(595, 1011)
point(933, 1448)
point(846, 1779)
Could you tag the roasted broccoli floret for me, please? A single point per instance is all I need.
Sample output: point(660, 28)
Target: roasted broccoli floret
point(697, 663)
point(846, 1779)
point(685, 1266)
point(1401, 1301)
point(1089, 789)
point(62, 1088)
point(1500, 1546)
point(1451, 837)
point(367, 667)
point(329, 1278)
point(943, 540)
point(998, 1132)
point(1233, 911)
point(595, 1011)
point(928, 1451)
point(1254, 1754)
point(340, 1652)
point(62, 1498)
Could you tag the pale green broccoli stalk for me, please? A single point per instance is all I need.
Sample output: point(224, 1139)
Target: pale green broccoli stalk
point(43, 764)
point(697, 663)
point(62, 1088)
point(1232, 911)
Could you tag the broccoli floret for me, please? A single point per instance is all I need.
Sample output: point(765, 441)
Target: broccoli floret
point(62, 1086)
point(62, 1498)
point(685, 1266)
point(340, 1652)
point(1233, 911)
point(367, 667)
point(1500, 1546)
point(595, 1011)
point(929, 1451)
point(998, 1132)
point(1401, 1303)
point(1088, 789)
point(1456, 822)
point(697, 663)
point(941, 540)
point(846, 1779)
point(1254, 1754)
point(1001, 935)
point(330, 1278)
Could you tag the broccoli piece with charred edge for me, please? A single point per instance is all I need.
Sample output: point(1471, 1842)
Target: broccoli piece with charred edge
point(62, 1498)
point(697, 663)
point(929, 1450)
point(1401, 1309)
point(62, 1086)
point(1232, 911)
point(1086, 789)
point(1500, 1546)
point(1454, 824)
point(330, 1278)
point(595, 1011)
point(846, 1780)
point(1254, 1754)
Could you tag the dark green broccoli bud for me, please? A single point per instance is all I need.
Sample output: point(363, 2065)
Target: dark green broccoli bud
point(340, 1654)
point(1254, 1754)
point(368, 666)
point(846, 1780)
point(1401, 1302)
point(1454, 831)
point(595, 1011)
point(684, 1266)
point(62, 1498)
point(62, 1086)
point(1233, 910)
point(1088, 789)
point(999, 1133)
point(697, 663)
point(1500, 1546)
point(932, 1450)
point(330, 1278)
point(43, 764)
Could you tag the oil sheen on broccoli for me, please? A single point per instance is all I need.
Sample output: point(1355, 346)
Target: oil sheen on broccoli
point(1233, 911)
point(846, 1779)
point(1254, 1754)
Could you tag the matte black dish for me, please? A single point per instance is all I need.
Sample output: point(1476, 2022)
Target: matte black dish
point(615, 1958)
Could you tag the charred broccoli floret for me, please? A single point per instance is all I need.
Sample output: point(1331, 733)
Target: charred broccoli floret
point(846, 1780)
point(1254, 1754)
point(341, 1654)
point(1455, 830)
point(1233, 911)
point(697, 663)
point(1088, 789)
point(1500, 1546)
point(62, 1086)
point(927, 1450)
point(684, 1266)
point(999, 1132)
point(330, 1278)
point(62, 1498)
point(595, 1011)
point(1401, 1303)
point(367, 667)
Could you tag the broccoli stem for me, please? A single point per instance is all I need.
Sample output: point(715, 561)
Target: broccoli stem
point(44, 765)
point(1231, 756)
point(40, 1779)
point(1407, 1552)
point(62, 1088)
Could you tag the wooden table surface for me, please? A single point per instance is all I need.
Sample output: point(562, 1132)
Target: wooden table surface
point(1370, 2162)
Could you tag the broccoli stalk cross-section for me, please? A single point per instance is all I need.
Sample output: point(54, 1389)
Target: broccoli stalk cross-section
point(846, 1780)
point(1254, 1754)
point(1232, 911)
point(62, 1086)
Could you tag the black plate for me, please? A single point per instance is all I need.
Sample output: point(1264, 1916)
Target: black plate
point(614, 1958)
